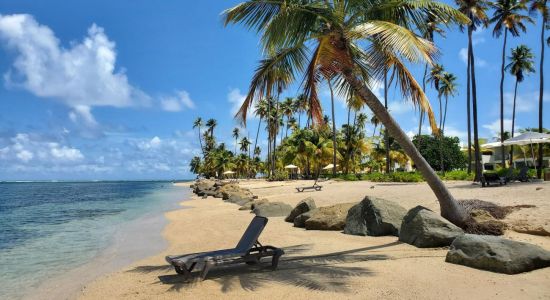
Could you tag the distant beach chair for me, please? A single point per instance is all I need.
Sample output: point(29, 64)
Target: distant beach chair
point(509, 176)
point(248, 250)
point(493, 178)
point(315, 187)
point(523, 176)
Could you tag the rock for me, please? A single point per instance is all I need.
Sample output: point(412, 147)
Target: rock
point(497, 254)
point(486, 223)
point(302, 207)
point(239, 199)
point(251, 204)
point(272, 209)
point(375, 217)
point(329, 217)
point(423, 228)
point(203, 185)
point(300, 220)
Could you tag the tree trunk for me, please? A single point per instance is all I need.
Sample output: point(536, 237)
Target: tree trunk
point(477, 150)
point(513, 123)
point(200, 142)
point(440, 136)
point(468, 106)
point(388, 162)
point(502, 98)
point(333, 129)
point(421, 111)
point(541, 94)
point(450, 209)
point(257, 133)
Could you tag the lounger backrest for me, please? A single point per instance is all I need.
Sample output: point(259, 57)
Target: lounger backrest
point(252, 234)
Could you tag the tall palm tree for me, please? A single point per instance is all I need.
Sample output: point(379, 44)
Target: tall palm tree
point(334, 148)
point(236, 135)
point(475, 10)
point(541, 7)
point(521, 63)
point(287, 109)
point(435, 78)
point(507, 17)
point(374, 121)
point(448, 89)
point(211, 124)
point(339, 31)
point(261, 112)
point(198, 124)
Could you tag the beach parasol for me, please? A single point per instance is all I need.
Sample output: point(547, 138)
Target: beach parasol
point(491, 145)
point(528, 138)
point(329, 166)
point(228, 172)
point(291, 167)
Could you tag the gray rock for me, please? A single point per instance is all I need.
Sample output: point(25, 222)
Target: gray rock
point(272, 209)
point(497, 254)
point(329, 217)
point(374, 217)
point(300, 220)
point(251, 204)
point(423, 228)
point(302, 207)
point(239, 199)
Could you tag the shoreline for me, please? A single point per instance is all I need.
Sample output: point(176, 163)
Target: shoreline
point(132, 241)
point(325, 264)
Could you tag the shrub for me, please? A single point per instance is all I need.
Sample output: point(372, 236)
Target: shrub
point(430, 147)
point(279, 176)
point(458, 175)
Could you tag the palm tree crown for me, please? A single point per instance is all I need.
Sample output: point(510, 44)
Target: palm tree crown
point(521, 62)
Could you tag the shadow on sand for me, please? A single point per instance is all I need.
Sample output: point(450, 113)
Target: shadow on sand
point(315, 272)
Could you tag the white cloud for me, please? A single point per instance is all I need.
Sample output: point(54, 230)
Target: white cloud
point(26, 148)
point(178, 102)
point(236, 99)
point(494, 127)
point(525, 102)
point(463, 54)
point(399, 107)
point(154, 143)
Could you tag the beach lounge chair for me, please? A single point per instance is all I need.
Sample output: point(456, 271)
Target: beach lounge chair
point(523, 176)
point(315, 186)
point(248, 250)
point(493, 178)
point(509, 176)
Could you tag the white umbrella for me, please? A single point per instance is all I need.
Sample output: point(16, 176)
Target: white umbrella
point(529, 138)
point(291, 167)
point(491, 145)
point(329, 166)
point(228, 172)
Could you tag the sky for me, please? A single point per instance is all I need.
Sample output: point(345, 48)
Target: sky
point(108, 90)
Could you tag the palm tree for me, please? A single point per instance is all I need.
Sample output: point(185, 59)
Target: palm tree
point(521, 64)
point(198, 124)
point(448, 88)
point(333, 128)
point(541, 7)
point(195, 165)
point(211, 124)
point(236, 135)
point(374, 120)
point(475, 10)
point(287, 110)
point(261, 112)
point(436, 76)
point(245, 145)
point(507, 17)
point(339, 31)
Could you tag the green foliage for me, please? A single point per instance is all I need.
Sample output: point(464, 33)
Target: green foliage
point(279, 176)
point(393, 177)
point(458, 175)
point(430, 147)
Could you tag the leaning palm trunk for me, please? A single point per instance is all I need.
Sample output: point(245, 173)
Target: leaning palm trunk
point(450, 209)
point(502, 99)
point(333, 130)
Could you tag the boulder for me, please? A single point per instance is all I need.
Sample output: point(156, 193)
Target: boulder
point(423, 228)
point(497, 254)
point(302, 207)
point(329, 217)
point(251, 204)
point(375, 217)
point(272, 209)
point(239, 199)
point(203, 185)
point(300, 220)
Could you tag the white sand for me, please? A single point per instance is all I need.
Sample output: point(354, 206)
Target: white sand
point(330, 265)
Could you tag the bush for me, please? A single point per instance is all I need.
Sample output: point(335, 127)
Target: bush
point(430, 147)
point(406, 177)
point(458, 175)
point(279, 176)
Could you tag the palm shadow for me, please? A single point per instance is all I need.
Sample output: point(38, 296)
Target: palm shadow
point(323, 272)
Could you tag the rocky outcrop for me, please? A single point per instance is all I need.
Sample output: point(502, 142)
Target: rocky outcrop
point(423, 228)
point(497, 254)
point(374, 217)
point(302, 207)
point(251, 204)
point(329, 217)
point(300, 220)
point(272, 209)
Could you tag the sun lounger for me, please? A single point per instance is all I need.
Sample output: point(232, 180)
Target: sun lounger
point(313, 187)
point(493, 178)
point(523, 176)
point(248, 251)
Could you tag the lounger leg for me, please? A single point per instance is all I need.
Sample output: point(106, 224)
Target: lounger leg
point(207, 266)
point(275, 260)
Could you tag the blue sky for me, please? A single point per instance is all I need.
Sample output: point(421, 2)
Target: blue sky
point(109, 89)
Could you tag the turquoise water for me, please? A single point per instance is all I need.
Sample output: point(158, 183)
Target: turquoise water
point(49, 228)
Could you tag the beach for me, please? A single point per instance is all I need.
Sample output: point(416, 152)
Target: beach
point(329, 264)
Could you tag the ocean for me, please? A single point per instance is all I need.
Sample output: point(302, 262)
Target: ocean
point(50, 228)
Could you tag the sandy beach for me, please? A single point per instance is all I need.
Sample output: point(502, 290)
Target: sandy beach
point(329, 264)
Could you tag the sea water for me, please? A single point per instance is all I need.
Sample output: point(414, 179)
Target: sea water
point(50, 228)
